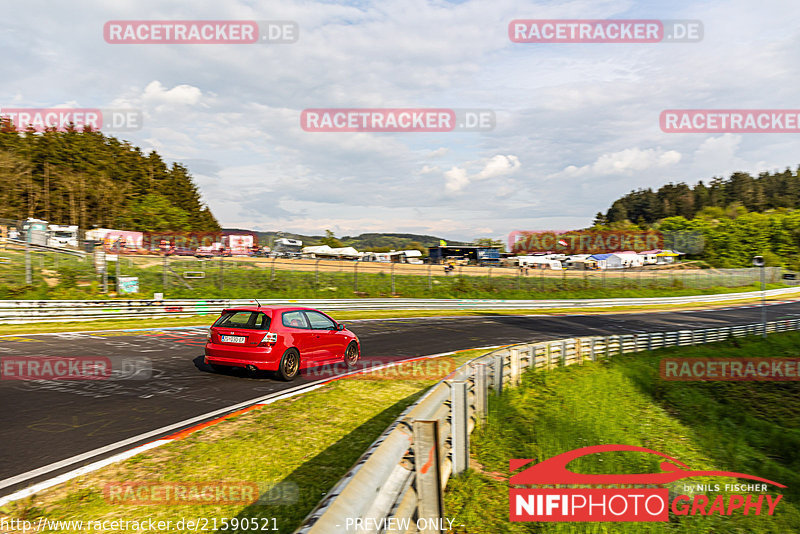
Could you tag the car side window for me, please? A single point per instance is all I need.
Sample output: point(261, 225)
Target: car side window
point(319, 321)
point(294, 319)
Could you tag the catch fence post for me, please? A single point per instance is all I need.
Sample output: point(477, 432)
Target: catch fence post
point(272, 272)
point(392, 278)
point(430, 277)
point(221, 272)
point(355, 276)
point(28, 276)
point(430, 503)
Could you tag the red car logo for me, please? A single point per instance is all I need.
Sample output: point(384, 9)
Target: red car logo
point(554, 470)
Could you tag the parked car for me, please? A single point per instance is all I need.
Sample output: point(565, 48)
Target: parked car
point(283, 339)
point(180, 251)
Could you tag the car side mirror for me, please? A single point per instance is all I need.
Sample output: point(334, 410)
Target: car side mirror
point(339, 327)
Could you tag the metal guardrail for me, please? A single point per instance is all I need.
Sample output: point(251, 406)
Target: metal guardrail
point(31, 311)
point(400, 480)
point(46, 248)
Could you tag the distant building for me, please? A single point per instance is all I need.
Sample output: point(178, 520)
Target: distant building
point(473, 254)
point(660, 257)
point(287, 247)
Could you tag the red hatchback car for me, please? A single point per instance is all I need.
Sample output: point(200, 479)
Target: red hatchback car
point(284, 339)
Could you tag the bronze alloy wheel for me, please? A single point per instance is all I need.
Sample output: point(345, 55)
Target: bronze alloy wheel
point(290, 363)
point(351, 355)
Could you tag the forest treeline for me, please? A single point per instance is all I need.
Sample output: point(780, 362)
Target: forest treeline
point(739, 217)
point(88, 178)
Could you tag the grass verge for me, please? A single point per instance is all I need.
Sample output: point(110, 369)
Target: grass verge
point(746, 427)
point(300, 446)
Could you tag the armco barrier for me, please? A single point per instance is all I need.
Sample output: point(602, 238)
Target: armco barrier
point(31, 311)
point(394, 481)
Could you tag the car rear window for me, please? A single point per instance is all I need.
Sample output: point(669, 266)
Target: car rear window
point(248, 320)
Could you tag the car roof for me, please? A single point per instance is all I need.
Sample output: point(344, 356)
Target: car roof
point(272, 308)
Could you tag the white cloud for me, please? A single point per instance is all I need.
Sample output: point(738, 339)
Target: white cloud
point(183, 94)
point(623, 162)
point(457, 178)
point(571, 113)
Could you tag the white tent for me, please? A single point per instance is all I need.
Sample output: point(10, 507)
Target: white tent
point(324, 251)
point(321, 250)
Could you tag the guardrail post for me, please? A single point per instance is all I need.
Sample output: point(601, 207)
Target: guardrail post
point(563, 353)
point(481, 397)
point(458, 425)
point(497, 371)
point(592, 353)
point(428, 475)
point(515, 366)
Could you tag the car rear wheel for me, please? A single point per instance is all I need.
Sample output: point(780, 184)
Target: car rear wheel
point(290, 365)
point(351, 355)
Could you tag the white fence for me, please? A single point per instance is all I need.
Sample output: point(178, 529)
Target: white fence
point(31, 311)
point(393, 479)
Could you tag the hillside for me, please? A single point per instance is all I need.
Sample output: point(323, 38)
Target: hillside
point(739, 218)
point(88, 178)
point(364, 242)
point(759, 194)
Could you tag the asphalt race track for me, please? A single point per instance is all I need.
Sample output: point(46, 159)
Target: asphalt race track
point(47, 421)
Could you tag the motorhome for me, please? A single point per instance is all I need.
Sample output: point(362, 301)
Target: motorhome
point(62, 235)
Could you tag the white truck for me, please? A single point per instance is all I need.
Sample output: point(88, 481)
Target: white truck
point(62, 236)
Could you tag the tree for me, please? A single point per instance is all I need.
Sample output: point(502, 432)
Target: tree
point(154, 213)
point(331, 240)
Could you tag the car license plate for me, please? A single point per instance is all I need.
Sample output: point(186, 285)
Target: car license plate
point(233, 339)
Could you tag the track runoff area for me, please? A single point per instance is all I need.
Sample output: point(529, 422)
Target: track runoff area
point(158, 388)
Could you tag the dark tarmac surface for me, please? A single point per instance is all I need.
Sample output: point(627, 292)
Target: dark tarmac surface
point(48, 421)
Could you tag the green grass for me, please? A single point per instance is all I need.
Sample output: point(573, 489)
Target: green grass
point(748, 427)
point(303, 445)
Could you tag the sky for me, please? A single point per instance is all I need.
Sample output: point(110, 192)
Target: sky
point(576, 124)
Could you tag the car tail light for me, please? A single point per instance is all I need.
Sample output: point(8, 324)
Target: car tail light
point(270, 338)
point(208, 335)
